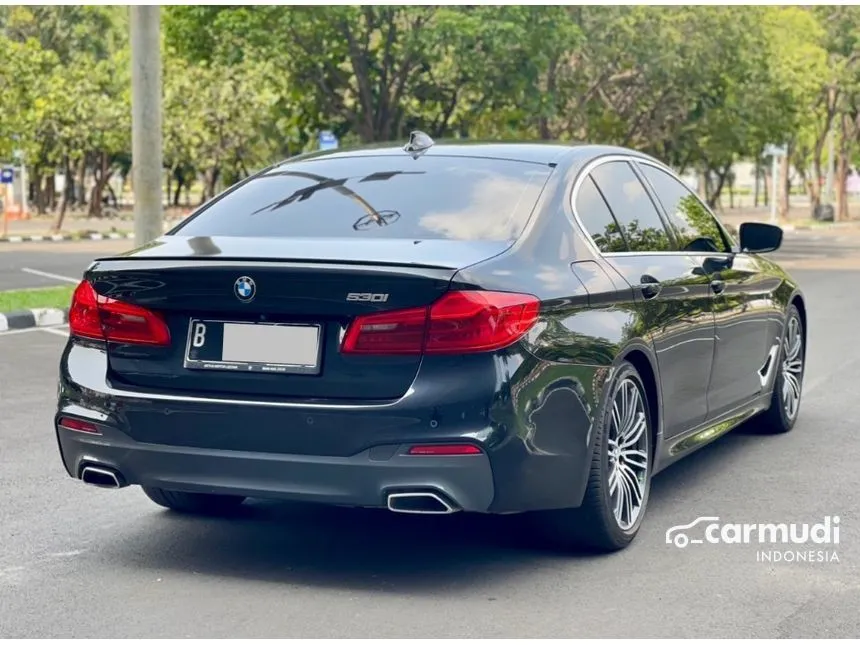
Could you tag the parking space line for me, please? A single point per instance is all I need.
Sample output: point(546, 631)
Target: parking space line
point(52, 276)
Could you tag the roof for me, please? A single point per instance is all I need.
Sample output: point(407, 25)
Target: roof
point(540, 152)
point(535, 152)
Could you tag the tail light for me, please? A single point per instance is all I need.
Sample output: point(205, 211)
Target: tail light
point(94, 316)
point(459, 322)
point(78, 425)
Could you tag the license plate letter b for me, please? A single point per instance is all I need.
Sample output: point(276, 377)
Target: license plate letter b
point(198, 337)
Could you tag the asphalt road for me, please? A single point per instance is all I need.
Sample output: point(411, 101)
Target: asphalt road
point(62, 259)
point(83, 562)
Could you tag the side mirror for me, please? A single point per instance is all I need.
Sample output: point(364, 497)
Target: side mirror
point(756, 237)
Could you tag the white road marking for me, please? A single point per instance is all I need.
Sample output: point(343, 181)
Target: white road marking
point(52, 276)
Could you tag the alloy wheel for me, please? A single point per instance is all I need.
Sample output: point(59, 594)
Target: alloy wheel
point(792, 367)
point(628, 453)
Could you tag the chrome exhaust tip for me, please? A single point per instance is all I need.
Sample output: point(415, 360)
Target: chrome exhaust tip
point(421, 503)
point(101, 477)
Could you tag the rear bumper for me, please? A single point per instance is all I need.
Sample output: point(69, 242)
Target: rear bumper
point(535, 441)
point(364, 479)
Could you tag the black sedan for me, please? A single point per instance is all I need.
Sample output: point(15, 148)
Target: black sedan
point(493, 328)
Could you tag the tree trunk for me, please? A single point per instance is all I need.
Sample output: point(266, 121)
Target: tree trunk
point(785, 193)
point(756, 180)
point(178, 192)
point(211, 182)
point(102, 176)
point(702, 188)
point(68, 191)
point(51, 191)
point(840, 185)
point(722, 174)
point(81, 196)
point(551, 75)
point(38, 194)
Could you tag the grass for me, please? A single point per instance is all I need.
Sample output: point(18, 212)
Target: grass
point(51, 297)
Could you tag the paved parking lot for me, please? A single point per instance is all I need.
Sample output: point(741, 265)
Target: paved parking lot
point(82, 562)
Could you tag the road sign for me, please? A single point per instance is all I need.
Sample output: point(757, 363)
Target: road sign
point(327, 140)
point(7, 175)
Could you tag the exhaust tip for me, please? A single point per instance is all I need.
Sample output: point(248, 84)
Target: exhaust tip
point(101, 477)
point(421, 503)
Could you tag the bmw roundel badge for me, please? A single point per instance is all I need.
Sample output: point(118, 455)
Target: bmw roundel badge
point(245, 289)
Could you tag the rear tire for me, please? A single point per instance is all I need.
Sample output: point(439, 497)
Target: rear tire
point(619, 479)
point(194, 503)
point(784, 408)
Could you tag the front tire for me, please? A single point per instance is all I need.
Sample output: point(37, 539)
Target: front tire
point(784, 408)
point(193, 503)
point(620, 473)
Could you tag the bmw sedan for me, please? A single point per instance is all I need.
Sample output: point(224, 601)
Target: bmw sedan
point(489, 328)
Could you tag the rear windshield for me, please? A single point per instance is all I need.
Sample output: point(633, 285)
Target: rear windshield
point(457, 198)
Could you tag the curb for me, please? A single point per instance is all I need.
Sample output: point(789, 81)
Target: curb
point(17, 239)
point(25, 318)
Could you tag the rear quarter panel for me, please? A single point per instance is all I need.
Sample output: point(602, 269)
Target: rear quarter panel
point(557, 375)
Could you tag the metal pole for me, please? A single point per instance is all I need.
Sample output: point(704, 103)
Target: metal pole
point(831, 158)
point(146, 152)
point(773, 181)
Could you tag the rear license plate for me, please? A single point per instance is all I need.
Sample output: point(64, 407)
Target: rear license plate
point(253, 347)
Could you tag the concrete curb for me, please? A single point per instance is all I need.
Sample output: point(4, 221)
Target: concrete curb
point(25, 318)
point(17, 239)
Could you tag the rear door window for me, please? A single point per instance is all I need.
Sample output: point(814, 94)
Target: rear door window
point(380, 196)
point(640, 222)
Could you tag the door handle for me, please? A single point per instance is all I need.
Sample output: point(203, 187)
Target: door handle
point(649, 287)
point(718, 286)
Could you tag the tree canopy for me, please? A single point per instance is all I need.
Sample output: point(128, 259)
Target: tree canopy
point(701, 87)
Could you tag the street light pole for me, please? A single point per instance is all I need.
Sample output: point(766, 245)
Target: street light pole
point(146, 148)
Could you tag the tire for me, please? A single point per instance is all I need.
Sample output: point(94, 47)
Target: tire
point(596, 524)
point(780, 417)
point(194, 503)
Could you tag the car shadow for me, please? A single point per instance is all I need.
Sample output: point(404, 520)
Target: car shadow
point(366, 549)
point(322, 546)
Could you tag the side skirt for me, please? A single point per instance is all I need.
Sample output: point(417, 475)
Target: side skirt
point(675, 448)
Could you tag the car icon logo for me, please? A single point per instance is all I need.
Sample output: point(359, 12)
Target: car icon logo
point(245, 289)
point(678, 536)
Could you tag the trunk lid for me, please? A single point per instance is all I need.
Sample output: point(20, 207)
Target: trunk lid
point(297, 283)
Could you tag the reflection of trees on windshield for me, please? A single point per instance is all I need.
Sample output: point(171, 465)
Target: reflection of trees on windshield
point(373, 216)
point(615, 238)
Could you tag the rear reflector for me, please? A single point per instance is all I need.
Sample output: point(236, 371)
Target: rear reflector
point(77, 425)
point(445, 450)
point(94, 316)
point(459, 322)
